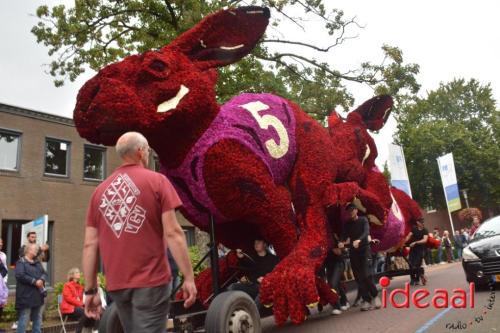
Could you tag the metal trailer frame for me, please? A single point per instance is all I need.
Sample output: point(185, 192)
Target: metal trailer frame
point(194, 318)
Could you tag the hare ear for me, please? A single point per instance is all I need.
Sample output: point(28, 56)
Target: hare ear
point(224, 37)
point(375, 111)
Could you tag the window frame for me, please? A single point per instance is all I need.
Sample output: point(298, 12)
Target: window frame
point(104, 162)
point(189, 233)
point(18, 157)
point(68, 158)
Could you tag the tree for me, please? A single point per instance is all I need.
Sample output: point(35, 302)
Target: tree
point(95, 33)
point(459, 117)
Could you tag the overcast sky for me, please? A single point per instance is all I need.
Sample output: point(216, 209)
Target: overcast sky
point(447, 38)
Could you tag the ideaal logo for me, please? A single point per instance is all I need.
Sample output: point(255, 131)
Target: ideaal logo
point(422, 298)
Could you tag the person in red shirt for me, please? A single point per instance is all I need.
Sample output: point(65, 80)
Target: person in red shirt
point(130, 221)
point(476, 222)
point(72, 299)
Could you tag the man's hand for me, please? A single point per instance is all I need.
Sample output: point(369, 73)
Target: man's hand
point(189, 293)
point(44, 247)
point(412, 244)
point(239, 253)
point(259, 280)
point(39, 284)
point(356, 243)
point(341, 245)
point(375, 241)
point(177, 245)
point(337, 251)
point(93, 306)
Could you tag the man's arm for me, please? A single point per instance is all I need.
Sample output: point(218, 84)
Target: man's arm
point(176, 241)
point(243, 259)
point(365, 233)
point(366, 229)
point(90, 257)
point(408, 237)
point(45, 253)
point(423, 240)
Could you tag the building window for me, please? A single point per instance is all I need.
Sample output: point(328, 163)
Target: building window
point(12, 242)
point(94, 163)
point(9, 150)
point(154, 161)
point(57, 154)
point(189, 232)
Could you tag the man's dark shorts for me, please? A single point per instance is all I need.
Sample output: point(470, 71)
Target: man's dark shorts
point(143, 310)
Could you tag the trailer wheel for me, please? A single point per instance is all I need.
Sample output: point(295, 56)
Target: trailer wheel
point(232, 312)
point(110, 322)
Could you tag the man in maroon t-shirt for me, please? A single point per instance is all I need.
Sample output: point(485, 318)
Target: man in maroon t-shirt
point(130, 218)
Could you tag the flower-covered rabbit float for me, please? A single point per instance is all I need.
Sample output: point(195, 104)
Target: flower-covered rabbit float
point(258, 164)
point(391, 211)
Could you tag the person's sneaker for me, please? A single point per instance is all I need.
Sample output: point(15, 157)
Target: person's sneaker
point(365, 306)
point(14, 325)
point(308, 313)
point(376, 303)
point(336, 312)
point(423, 279)
point(345, 307)
point(442, 263)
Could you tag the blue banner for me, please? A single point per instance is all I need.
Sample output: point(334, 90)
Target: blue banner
point(403, 185)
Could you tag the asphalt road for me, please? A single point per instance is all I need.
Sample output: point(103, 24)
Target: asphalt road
point(402, 320)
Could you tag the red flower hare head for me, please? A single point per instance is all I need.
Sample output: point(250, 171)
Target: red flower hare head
point(351, 135)
point(169, 89)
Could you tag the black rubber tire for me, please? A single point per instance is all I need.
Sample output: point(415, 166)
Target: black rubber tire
point(110, 322)
point(224, 305)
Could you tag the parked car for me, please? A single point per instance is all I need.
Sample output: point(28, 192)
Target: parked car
point(481, 258)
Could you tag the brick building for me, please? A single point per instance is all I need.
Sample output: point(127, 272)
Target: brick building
point(47, 168)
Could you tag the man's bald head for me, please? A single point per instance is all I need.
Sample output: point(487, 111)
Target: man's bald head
point(128, 144)
point(133, 148)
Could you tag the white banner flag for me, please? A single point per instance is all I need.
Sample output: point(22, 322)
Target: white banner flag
point(397, 167)
point(449, 179)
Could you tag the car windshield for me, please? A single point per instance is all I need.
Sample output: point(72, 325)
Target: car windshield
point(489, 228)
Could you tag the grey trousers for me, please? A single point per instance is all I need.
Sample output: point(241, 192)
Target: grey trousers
point(143, 310)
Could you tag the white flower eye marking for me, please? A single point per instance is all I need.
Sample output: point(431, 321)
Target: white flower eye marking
point(174, 101)
point(367, 153)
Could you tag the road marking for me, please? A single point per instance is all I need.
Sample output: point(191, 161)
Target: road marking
point(434, 319)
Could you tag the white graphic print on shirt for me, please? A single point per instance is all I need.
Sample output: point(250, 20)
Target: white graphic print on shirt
point(118, 206)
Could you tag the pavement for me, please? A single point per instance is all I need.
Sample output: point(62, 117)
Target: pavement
point(484, 317)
